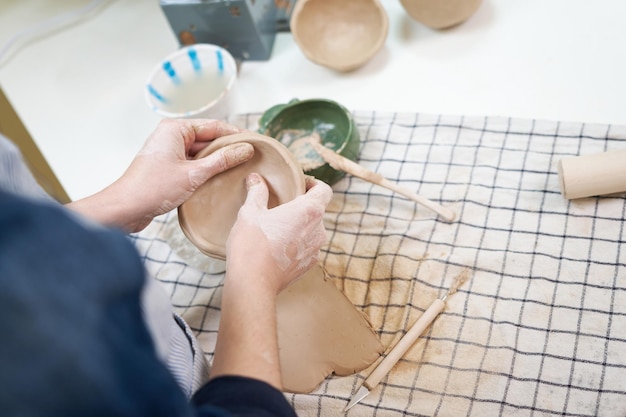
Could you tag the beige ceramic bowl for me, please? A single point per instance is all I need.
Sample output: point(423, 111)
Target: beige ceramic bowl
point(208, 215)
point(440, 14)
point(342, 35)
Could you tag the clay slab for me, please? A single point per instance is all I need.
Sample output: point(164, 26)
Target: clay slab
point(320, 332)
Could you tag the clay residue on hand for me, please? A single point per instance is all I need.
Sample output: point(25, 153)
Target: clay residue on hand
point(208, 215)
point(320, 332)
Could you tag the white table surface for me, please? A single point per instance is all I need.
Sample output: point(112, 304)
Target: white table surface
point(79, 91)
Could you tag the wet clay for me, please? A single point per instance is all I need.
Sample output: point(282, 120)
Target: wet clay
point(208, 215)
point(440, 14)
point(341, 35)
point(320, 332)
point(299, 144)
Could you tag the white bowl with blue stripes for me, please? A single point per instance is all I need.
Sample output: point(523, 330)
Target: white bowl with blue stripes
point(193, 82)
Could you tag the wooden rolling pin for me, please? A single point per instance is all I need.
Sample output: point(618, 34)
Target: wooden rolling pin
point(344, 164)
point(592, 175)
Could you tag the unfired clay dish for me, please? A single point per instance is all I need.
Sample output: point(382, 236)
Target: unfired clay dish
point(440, 14)
point(208, 215)
point(320, 332)
point(342, 35)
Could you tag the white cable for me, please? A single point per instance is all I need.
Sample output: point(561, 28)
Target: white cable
point(49, 25)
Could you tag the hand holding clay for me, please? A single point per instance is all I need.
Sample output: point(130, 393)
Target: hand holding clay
point(266, 250)
point(281, 243)
point(163, 174)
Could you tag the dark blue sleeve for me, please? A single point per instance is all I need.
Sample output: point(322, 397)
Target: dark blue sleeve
point(73, 341)
point(242, 397)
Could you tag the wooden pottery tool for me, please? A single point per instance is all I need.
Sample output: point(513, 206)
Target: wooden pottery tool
point(591, 175)
point(405, 342)
point(340, 163)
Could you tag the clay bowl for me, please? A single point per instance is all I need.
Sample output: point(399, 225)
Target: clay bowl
point(208, 215)
point(440, 14)
point(341, 35)
point(330, 123)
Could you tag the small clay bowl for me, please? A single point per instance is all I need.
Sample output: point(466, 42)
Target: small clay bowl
point(330, 123)
point(440, 14)
point(341, 35)
point(207, 217)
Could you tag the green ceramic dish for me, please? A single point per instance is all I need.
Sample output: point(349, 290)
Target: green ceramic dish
point(320, 119)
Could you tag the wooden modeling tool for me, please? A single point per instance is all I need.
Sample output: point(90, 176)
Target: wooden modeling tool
point(344, 164)
point(405, 343)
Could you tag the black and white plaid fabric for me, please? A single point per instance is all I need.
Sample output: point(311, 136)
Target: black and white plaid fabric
point(538, 329)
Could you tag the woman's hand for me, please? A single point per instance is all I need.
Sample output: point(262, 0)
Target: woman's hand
point(163, 174)
point(266, 250)
point(277, 245)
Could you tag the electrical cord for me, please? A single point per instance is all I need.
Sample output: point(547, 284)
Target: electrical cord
point(47, 26)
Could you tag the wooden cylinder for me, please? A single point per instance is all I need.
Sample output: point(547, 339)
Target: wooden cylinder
point(592, 175)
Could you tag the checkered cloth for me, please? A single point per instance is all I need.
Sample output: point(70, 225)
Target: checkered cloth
point(538, 329)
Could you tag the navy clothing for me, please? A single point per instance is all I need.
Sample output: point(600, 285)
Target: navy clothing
point(74, 342)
